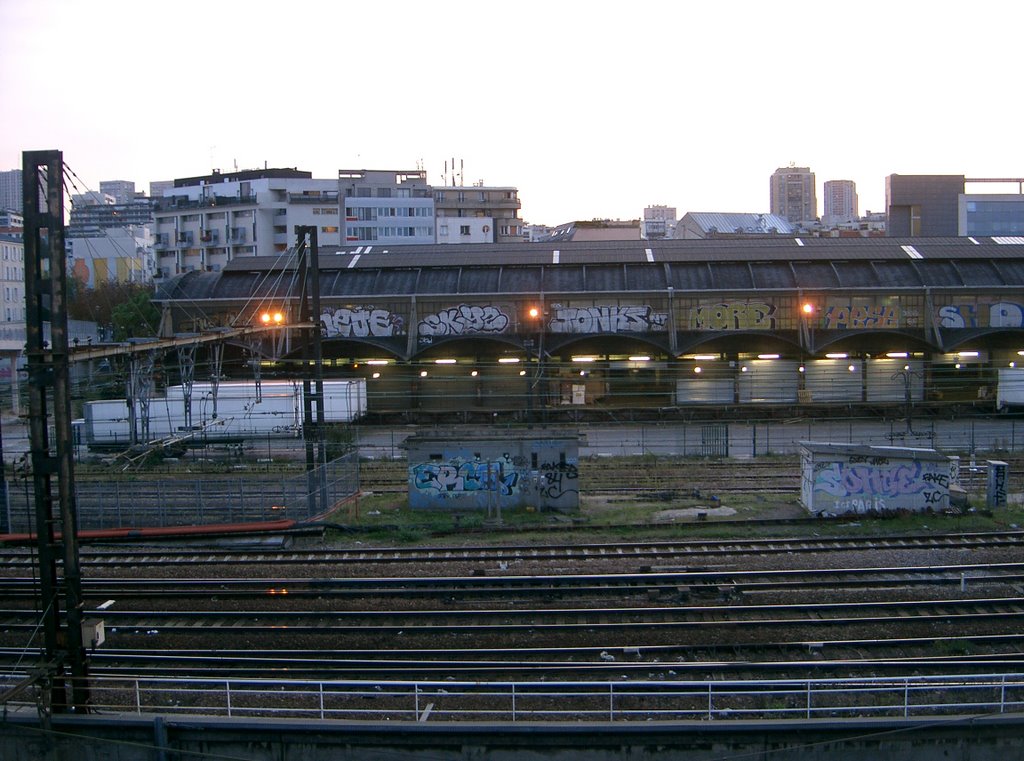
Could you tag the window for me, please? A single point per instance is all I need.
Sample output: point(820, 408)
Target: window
point(443, 231)
point(463, 229)
point(329, 229)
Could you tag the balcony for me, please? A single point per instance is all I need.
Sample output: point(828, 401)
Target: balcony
point(237, 236)
point(316, 198)
point(209, 237)
point(184, 239)
point(161, 242)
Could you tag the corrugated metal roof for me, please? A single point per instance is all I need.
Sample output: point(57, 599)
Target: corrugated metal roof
point(622, 266)
point(712, 221)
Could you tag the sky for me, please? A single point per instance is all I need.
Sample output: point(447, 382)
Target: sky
point(592, 109)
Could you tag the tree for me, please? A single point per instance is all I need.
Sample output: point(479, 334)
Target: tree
point(136, 317)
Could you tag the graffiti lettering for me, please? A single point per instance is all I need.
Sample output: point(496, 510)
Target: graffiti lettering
point(1006, 315)
point(557, 479)
point(464, 319)
point(865, 316)
point(448, 478)
point(962, 316)
point(738, 315)
point(607, 319)
point(843, 481)
point(360, 323)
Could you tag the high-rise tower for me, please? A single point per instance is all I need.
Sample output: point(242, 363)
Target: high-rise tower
point(792, 194)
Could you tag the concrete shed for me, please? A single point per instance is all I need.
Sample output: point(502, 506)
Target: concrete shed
point(840, 479)
point(499, 470)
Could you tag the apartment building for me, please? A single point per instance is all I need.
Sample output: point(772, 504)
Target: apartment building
point(386, 207)
point(202, 223)
point(478, 214)
point(793, 194)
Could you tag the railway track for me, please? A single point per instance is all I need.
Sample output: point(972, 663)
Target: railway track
point(695, 582)
point(271, 622)
point(689, 551)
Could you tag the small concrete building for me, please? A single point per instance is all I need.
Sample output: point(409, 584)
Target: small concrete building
point(494, 471)
point(842, 479)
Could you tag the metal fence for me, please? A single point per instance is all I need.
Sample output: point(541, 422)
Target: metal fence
point(205, 499)
point(903, 697)
point(753, 438)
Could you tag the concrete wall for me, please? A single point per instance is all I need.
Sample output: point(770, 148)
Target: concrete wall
point(158, 738)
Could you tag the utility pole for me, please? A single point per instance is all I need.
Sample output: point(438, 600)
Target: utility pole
point(312, 359)
point(50, 395)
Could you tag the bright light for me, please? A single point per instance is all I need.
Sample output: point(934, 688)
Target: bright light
point(375, 375)
point(767, 356)
point(444, 361)
point(640, 358)
point(802, 369)
point(957, 365)
point(1020, 353)
point(896, 354)
point(508, 360)
point(584, 359)
point(1013, 364)
point(836, 356)
point(474, 373)
point(743, 369)
point(423, 373)
point(967, 354)
point(583, 373)
point(376, 361)
point(534, 313)
point(705, 357)
point(272, 317)
point(697, 369)
point(522, 372)
point(852, 368)
point(808, 308)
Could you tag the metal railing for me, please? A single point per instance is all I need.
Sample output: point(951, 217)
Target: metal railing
point(902, 697)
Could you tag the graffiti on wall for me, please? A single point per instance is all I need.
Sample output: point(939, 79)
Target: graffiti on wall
point(850, 316)
point(997, 474)
point(865, 484)
point(464, 319)
point(451, 479)
point(558, 479)
point(362, 322)
point(735, 315)
point(1002, 314)
point(607, 319)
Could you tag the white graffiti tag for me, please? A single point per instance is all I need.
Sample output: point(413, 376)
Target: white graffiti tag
point(360, 323)
point(607, 319)
point(464, 319)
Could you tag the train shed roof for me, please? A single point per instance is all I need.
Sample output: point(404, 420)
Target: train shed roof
point(776, 263)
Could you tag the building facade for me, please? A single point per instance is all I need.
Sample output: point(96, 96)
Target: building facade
point(12, 277)
point(993, 215)
point(11, 191)
point(91, 219)
point(386, 207)
point(202, 223)
point(121, 254)
point(923, 204)
point(841, 204)
point(122, 191)
point(478, 214)
point(793, 194)
point(659, 222)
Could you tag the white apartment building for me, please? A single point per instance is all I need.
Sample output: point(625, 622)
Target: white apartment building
point(202, 223)
point(478, 214)
point(386, 207)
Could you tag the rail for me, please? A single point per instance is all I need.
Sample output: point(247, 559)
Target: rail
point(905, 697)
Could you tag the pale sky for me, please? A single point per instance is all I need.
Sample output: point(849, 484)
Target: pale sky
point(591, 109)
